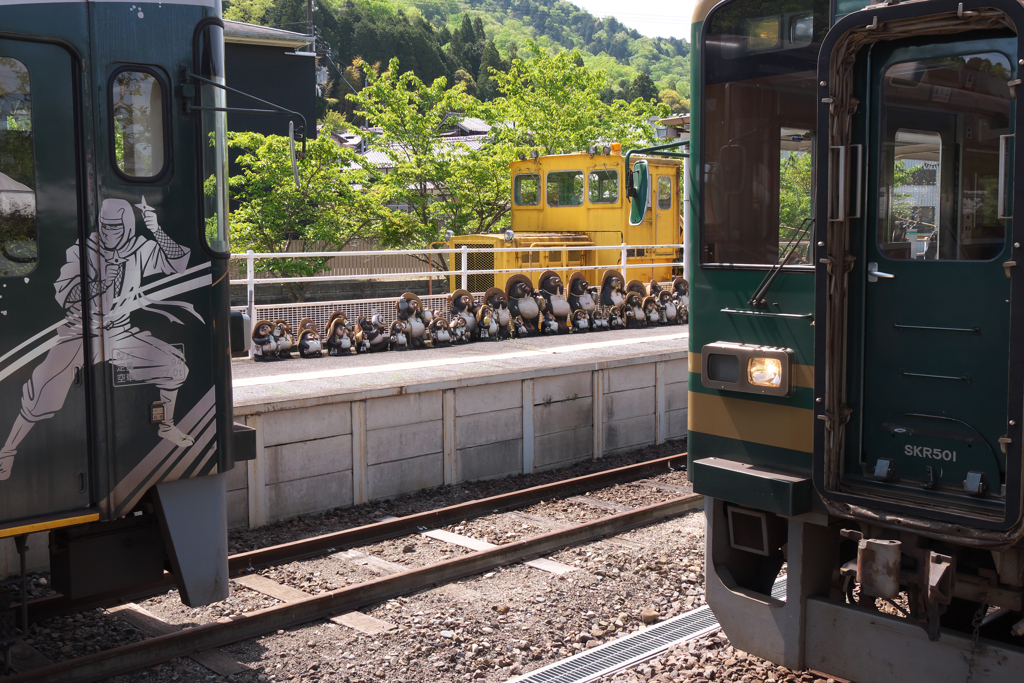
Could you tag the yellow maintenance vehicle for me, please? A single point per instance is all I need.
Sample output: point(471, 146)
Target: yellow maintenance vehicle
point(564, 202)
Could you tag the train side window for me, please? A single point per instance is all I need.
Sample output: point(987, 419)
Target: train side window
point(527, 189)
point(18, 245)
point(664, 192)
point(137, 115)
point(565, 188)
point(604, 186)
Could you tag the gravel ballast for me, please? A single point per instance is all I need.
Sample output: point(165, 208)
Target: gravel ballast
point(491, 627)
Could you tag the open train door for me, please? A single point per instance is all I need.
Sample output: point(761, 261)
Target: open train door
point(919, 324)
point(44, 429)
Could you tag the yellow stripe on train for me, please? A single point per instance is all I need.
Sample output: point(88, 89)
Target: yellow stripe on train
point(764, 423)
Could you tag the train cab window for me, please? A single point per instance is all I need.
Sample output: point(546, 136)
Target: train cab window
point(18, 246)
point(604, 186)
point(759, 107)
point(137, 108)
point(664, 192)
point(527, 189)
point(940, 158)
point(565, 188)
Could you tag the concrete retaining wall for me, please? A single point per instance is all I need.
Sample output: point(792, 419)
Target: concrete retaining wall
point(316, 454)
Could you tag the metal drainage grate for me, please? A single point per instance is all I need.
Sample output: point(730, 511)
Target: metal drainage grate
point(637, 647)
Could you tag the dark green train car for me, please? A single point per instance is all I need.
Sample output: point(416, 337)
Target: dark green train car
point(857, 333)
point(115, 394)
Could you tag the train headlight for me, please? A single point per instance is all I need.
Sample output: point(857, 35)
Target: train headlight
point(764, 372)
point(749, 368)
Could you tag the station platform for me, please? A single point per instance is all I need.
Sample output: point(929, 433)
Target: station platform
point(256, 383)
point(340, 431)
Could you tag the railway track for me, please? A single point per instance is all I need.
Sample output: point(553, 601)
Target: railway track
point(303, 609)
point(58, 605)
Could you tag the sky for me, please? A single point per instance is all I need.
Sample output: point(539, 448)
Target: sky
point(653, 18)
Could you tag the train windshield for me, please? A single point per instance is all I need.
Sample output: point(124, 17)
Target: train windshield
point(759, 129)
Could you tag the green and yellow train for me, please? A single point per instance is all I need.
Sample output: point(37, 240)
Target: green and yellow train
point(856, 348)
point(116, 430)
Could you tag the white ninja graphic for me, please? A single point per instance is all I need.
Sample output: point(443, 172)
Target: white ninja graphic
point(119, 260)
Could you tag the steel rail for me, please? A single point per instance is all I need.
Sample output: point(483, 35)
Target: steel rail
point(121, 660)
point(306, 548)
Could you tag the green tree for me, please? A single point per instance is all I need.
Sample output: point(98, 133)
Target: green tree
point(550, 103)
point(674, 101)
point(420, 181)
point(794, 192)
point(463, 77)
point(795, 181)
point(274, 216)
point(248, 11)
point(491, 60)
point(643, 88)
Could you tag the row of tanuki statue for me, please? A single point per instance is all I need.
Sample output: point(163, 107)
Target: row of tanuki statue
point(517, 311)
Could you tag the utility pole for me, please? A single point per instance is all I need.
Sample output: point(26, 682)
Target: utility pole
point(309, 25)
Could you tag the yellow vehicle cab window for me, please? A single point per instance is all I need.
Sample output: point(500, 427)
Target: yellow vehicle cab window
point(565, 188)
point(664, 192)
point(604, 186)
point(527, 189)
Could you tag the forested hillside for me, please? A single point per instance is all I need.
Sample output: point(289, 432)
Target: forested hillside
point(462, 40)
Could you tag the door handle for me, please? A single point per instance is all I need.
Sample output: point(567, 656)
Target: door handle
point(874, 273)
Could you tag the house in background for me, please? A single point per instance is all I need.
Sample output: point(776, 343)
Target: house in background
point(274, 65)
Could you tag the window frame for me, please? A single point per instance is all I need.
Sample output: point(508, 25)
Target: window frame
point(583, 197)
point(822, 12)
point(618, 186)
point(168, 95)
point(671, 193)
point(35, 180)
point(954, 166)
point(540, 189)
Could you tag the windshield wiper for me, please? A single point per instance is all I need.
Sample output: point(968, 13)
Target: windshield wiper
point(758, 299)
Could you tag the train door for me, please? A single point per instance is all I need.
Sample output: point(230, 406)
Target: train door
point(44, 426)
point(933, 279)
